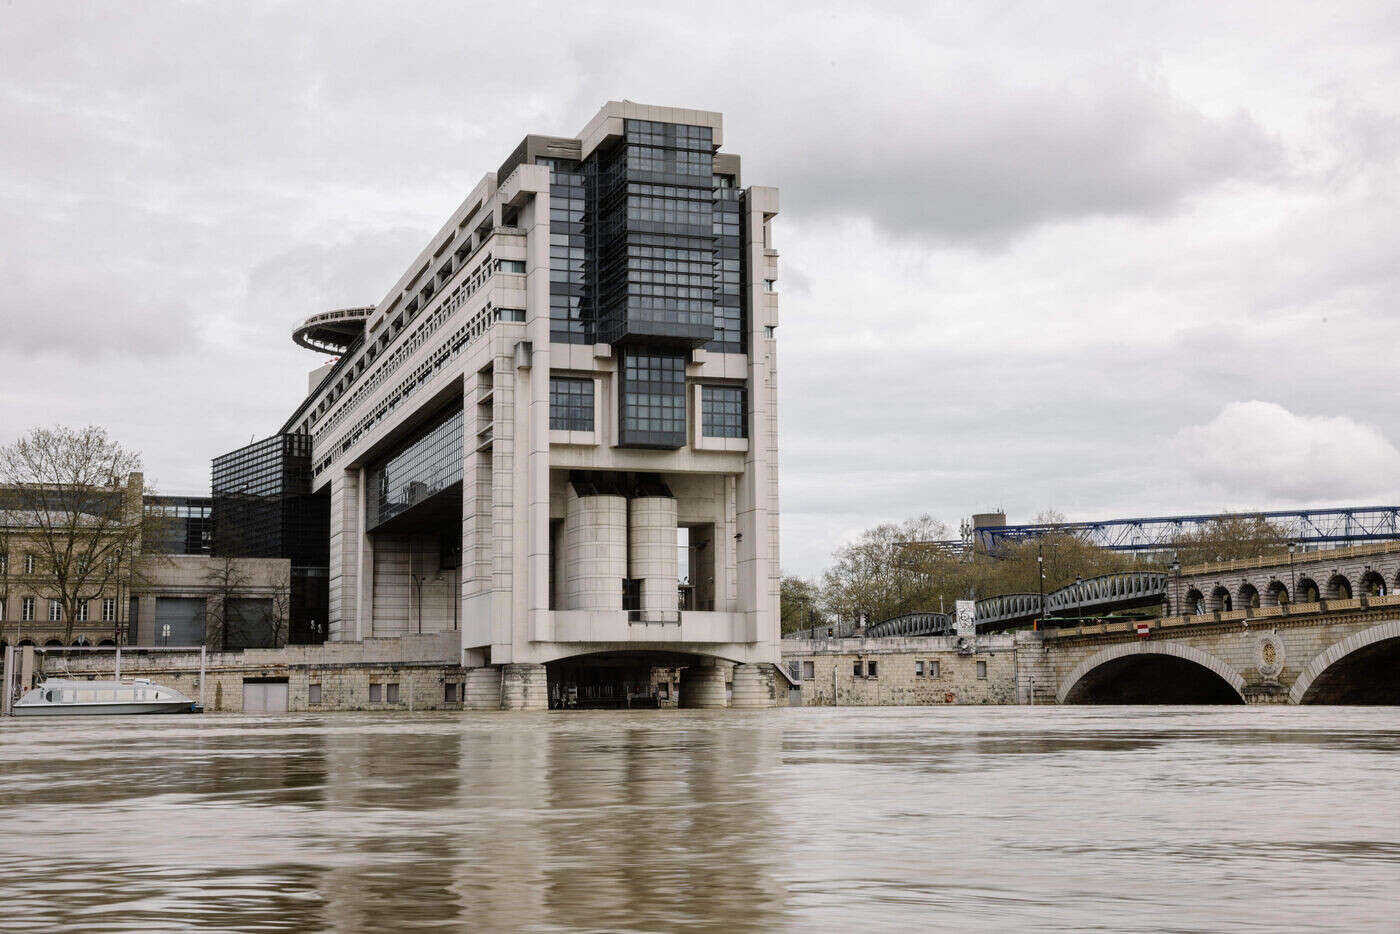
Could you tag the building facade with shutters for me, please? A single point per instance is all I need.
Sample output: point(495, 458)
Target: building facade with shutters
point(556, 433)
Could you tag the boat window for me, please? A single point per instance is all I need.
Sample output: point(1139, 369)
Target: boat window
point(49, 697)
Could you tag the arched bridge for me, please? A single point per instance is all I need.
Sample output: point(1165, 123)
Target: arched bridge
point(1093, 597)
point(913, 624)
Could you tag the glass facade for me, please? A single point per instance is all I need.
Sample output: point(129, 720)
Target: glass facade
point(570, 404)
point(652, 399)
point(263, 507)
point(425, 466)
point(723, 411)
point(179, 525)
point(568, 323)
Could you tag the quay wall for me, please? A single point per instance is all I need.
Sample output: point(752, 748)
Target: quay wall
point(910, 670)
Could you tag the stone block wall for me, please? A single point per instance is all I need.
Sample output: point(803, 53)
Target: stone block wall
point(897, 680)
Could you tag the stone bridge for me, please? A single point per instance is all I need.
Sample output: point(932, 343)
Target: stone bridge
point(1305, 577)
point(1332, 651)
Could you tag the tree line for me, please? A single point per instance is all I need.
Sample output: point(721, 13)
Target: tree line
point(898, 568)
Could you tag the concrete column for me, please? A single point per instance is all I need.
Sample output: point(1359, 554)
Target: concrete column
point(754, 686)
point(702, 686)
point(524, 687)
point(344, 557)
point(482, 689)
point(651, 529)
point(595, 537)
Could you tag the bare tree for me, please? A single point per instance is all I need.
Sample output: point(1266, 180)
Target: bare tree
point(226, 579)
point(79, 496)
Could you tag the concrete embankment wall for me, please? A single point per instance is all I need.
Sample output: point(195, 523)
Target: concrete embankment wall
point(913, 670)
point(420, 668)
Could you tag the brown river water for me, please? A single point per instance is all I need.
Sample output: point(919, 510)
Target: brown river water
point(954, 819)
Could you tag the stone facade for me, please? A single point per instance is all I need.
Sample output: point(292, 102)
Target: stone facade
point(907, 671)
point(1306, 577)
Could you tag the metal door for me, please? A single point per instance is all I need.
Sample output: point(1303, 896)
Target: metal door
point(264, 697)
point(179, 621)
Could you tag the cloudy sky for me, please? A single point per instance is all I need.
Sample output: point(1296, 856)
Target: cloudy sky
point(1107, 258)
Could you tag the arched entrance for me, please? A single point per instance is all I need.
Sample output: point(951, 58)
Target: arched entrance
point(1372, 584)
point(1221, 601)
point(1152, 673)
point(631, 679)
point(1276, 594)
point(1363, 668)
point(1249, 596)
point(1338, 587)
point(1195, 603)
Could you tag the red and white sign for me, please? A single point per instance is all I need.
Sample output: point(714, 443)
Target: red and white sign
point(1144, 630)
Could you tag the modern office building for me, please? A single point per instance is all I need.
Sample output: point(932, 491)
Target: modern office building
point(556, 433)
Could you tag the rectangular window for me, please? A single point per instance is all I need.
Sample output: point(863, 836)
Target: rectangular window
point(516, 266)
point(109, 610)
point(663, 690)
point(570, 404)
point(794, 670)
point(449, 693)
point(918, 669)
point(313, 694)
point(934, 669)
point(982, 671)
point(55, 611)
point(2, 609)
point(27, 609)
point(82, 614)
point(4, 563)
point(722, 409)
point(376, 693)
point(652, 400)
point(809, 671)
point(29, 563)
point(870, 670)
point(391, 693)
point(856, 669)
point(770, 285)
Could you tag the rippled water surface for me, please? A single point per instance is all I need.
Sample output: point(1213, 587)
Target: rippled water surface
point(991, 819)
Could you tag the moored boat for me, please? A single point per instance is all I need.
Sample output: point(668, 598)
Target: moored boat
point(64, 697)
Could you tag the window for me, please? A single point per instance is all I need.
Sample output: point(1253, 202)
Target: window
point(55, 611)
point(770, 285)
point(722, 411)
point(857, 669)
point(794, 670)
point(809, 671)
point(570, 404)
point(2, 610)
point(982, 671)
point(82, 612)
point(652, 400)
point(313, 694)
point(870, 670)
point(109, 610)
point(27, 609)
point(933, 669)
point(449, 693)
point(663, 690)
point(513, 266)
point(391, 693)
point(918, 669)
point(4, 563)
point(770, 331)
point(29, 563)
point(376, 693)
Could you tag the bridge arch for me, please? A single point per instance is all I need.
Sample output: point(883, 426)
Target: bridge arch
point(1230, 683)
point(1276, 594)
point(1220, 600)
point(1249, 596)
point(1308, 591)
point(1339, 587)
point(1373, 584)
point(1363, 668)
point(1195, 603)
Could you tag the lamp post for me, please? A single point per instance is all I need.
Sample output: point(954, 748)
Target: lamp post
point(1079, 600)
point(1292, 578)
point(1175, 568)
point(1040, 574)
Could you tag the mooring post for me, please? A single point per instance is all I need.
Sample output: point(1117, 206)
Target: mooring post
point(117, 667)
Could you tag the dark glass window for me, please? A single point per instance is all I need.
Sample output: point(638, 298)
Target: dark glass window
point(424, 467)
point(570, 404)
point(722, 409)
point(652, 399)
point(568, 213)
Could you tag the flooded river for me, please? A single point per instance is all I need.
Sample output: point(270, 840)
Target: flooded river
point(954, 819)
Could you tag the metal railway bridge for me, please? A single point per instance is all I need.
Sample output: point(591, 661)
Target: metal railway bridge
point(1342, 525)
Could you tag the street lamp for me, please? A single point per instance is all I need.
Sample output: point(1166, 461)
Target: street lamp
point(1175, 568)
point(1079, 599)
point(1292, 578)
point(1040, 573)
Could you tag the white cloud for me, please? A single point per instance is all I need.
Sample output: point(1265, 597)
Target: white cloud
point(1263, 453)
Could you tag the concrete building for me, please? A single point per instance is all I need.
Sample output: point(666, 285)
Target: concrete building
point(556, 433)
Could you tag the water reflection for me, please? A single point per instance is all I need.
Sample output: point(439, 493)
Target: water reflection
point(960, 818)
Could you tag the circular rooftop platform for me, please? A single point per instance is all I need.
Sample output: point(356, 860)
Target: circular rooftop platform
point(332, 332)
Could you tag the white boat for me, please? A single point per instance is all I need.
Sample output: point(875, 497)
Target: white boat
point(63, 697)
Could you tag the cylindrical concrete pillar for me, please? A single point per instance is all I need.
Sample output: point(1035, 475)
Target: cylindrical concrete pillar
point(482, 690)
point(651, 530)
point(524, 687)
point(754, 686)
point(595, 540)
point(704, 686)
